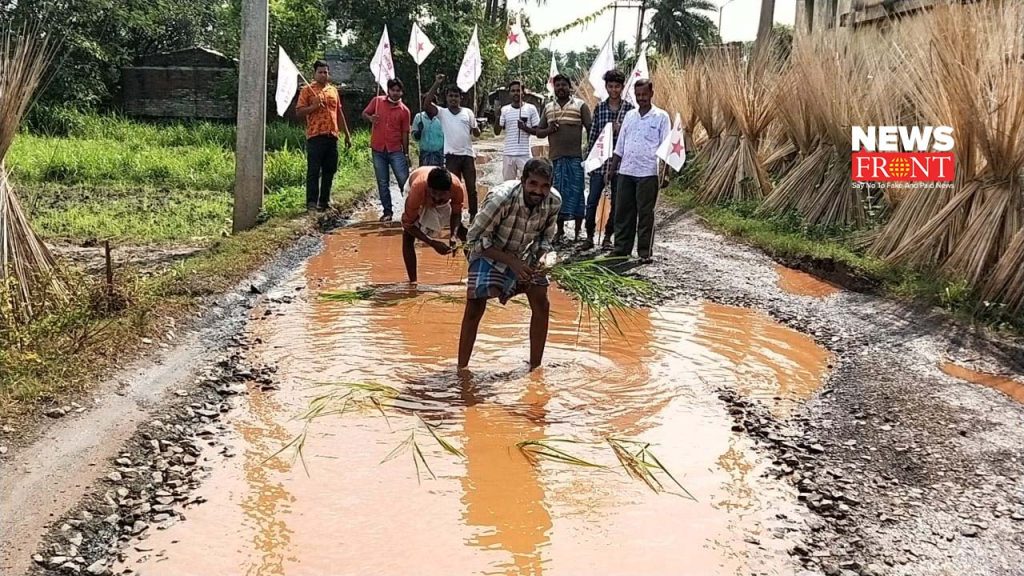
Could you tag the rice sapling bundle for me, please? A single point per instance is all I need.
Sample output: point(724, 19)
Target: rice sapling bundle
point(844, 77)
point(977, 52)
point(746, 93)
point(29, 275)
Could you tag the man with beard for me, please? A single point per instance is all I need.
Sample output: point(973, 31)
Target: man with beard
point(511, 234)
point(563, 123)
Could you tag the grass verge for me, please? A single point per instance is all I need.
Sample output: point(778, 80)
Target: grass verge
point(835, 255)
point(70, 345)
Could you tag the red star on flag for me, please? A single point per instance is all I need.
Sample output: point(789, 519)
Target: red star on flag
point(636, 73)
point(513, 38)
point(419, 47)
point(677, 147)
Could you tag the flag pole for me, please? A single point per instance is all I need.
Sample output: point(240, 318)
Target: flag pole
point(419, 87)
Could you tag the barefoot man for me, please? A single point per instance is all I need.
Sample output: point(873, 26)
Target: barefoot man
point(432, 199)
point(508, 239)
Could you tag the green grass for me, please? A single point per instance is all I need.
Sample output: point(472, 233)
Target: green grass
point(142, 184)
point(786, 237)
point(145, 184)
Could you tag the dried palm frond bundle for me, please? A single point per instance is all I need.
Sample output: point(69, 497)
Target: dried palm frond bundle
point(29, 275)
point(842, 80)
point(976, 72)
point(746, 92)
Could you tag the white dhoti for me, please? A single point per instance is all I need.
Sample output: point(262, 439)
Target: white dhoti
point(434, 219)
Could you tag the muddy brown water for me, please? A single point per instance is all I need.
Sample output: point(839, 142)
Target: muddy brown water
point(493, 511)
point(803, 284)
point(1012, 388)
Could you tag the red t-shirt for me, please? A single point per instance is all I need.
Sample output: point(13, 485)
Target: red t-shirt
point(393, 121)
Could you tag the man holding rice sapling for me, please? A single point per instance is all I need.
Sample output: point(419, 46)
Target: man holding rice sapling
point(507, 242)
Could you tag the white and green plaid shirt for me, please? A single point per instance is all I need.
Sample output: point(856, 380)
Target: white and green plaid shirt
point(507, 223)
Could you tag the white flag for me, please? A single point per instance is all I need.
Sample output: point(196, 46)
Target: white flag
point(605, 61)
point(551, 75)
point(472, 65)
point(516, 42)
point(602, 150)
point(673, 149)
point(419, 45)
point(382, 66)
point(640, 71)
point(287, 81)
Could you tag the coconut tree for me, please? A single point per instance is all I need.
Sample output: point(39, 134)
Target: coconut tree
point(678, 26)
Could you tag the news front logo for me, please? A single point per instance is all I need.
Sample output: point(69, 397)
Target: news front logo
point(903, 154)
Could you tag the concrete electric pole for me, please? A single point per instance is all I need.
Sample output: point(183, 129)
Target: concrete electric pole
point(252, 113)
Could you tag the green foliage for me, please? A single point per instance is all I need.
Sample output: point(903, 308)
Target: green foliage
point(300, 26)
point(679, 27)
point(102, 36)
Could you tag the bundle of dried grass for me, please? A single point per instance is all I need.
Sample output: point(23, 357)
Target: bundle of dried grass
point(745, 91)
point(835, 81)
point(970, 73)
point(704, 108)
point(674, 87)
point(29, 276)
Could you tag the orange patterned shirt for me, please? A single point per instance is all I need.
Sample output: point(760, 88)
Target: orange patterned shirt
point(322, 121)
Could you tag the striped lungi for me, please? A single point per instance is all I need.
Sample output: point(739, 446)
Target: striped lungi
point(569, 183)
point(486, 281)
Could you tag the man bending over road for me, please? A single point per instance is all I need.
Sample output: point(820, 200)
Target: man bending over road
point(508, 239)
point(432, 198)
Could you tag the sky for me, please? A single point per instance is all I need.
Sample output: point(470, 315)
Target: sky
point(739, 20)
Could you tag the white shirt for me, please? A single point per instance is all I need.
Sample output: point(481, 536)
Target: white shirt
point(457, 128)
point(517, 142)
point(639, 139)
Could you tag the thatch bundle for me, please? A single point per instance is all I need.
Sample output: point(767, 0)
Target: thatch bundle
point(968, 72)
point(28, 272)
point(834, 81)
point(745, 90)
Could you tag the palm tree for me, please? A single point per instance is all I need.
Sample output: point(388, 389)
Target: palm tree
point(678, 28)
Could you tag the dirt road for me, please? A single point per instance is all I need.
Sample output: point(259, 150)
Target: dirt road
point(813, 427)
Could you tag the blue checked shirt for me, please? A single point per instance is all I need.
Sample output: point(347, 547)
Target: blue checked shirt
point(603, 115)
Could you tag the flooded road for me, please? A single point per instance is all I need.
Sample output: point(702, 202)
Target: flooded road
point(491, 510)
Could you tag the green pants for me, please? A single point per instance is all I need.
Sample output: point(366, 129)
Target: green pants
point(634, 215)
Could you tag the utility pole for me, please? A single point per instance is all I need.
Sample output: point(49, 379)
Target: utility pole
point(252, 113)
point(764, 26)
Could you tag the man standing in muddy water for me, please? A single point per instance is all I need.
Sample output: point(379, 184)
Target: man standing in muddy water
point(432, 198)
point(512, 233)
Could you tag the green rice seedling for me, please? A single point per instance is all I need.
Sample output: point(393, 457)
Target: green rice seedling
point(411, 445)
point(349, 296)
point(640, 463)
point(447, 446)
point(548, 449)
point(602, 292)
point(297, 444)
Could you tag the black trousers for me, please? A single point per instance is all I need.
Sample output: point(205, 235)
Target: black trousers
point(321, 164)
point(634, 215)
point(464, 167)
